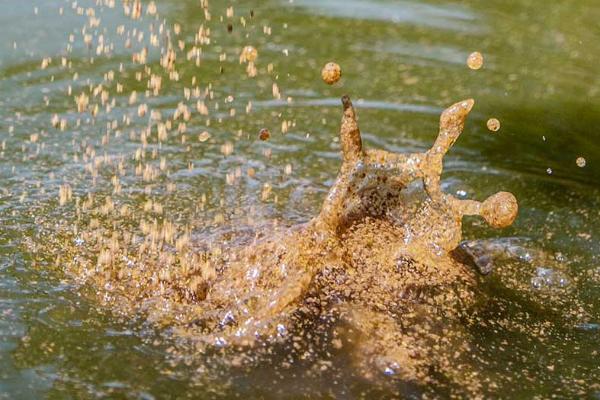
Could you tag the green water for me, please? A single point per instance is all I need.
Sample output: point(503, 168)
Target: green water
point(403, 62)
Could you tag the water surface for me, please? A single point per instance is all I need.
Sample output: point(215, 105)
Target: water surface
point(403, 62)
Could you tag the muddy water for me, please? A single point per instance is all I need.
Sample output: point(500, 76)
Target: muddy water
point(403, 62)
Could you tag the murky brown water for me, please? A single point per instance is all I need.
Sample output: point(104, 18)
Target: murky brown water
point(137, 141)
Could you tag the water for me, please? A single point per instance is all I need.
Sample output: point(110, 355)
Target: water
point(403, 62)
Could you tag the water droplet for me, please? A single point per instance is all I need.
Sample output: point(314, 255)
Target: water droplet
point(331, 73)
point(475, 60)
point(249, 54)
point(204, 136)
point(493, 125)
point(264, 134)
point(151, 10)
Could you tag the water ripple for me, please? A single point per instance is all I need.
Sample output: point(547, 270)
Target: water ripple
point(450, 17)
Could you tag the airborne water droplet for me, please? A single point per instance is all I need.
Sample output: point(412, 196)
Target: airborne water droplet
point(493, 124)
point(264, 134)
point(249, 54)
point(475, 60)
point(331, 73)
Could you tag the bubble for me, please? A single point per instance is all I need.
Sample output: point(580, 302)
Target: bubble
point(281, 330)
point(475, 60)
point(537, 282)
point(331, 73)
point(493, 125)
point(580, 162)
point(264, 134)
point(548, 278)
point(227, 319)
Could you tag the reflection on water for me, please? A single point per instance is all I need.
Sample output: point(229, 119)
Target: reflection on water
point(363, 103)
point(416, 54)
point(403, 62)
point(451, 17)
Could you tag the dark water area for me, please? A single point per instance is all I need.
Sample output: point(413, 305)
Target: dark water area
point(403, 62)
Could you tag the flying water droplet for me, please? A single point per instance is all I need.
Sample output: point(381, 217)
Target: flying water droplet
point(475, 60)
point(331, 73)
point(493, 125)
